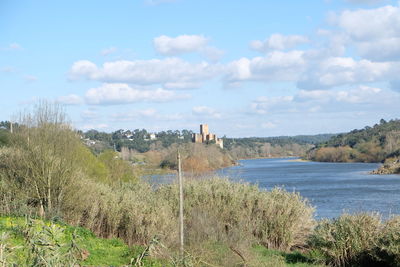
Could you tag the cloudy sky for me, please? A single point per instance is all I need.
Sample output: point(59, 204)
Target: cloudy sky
point(247, 68)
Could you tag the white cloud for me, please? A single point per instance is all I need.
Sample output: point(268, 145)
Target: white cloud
point(181, 85)
point(212, 53)
point(367, 24)
point(374, 32)
point(361, 94)
point(154, 71)
point(206, 112)
point(172, 46)
point(275, 66)
point(108, 51)
point(314, 95)
point(119, 93)
point(380, 50)
point(278, 42)
point(357, 95)
point(359, 98)
point(83, 69)
point(336, 71)
point(70, 100)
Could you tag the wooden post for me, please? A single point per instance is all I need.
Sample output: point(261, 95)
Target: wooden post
point(180, 204)
point(11, 127)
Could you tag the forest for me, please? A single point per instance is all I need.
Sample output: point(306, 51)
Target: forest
point(379, 143)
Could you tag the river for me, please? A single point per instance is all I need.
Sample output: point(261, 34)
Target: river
point(332, 188)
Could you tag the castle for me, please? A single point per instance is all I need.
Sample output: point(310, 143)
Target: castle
point(204, 136)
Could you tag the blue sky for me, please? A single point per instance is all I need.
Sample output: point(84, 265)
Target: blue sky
point(247, 68)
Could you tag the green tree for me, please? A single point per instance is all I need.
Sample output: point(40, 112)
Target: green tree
point(41, 161)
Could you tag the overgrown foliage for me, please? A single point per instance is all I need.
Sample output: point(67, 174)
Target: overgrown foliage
point(40, 244)
point(371, 144)
point(44, 159)
point(358, 240)
point(347, 240)
point(219, 210)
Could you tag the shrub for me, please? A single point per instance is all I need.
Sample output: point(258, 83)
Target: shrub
point(335, 154)
point(46, 246)
point(131, 212)
point(348, 240)
point(219, 210)
point(388, 246)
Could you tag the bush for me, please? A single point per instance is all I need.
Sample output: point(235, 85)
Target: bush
point(131, 212)
point(216, 211)
point(4, 137)
point(348, 240)
point(223, 211)
point(388, 246)
point(335, 154)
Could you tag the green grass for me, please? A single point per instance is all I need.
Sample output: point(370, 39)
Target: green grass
point(114, 252)
point(102, 252)
point(294, 258)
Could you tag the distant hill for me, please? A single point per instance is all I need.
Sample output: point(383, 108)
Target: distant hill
point(371, 144)
point(281, 140)
point(279, 146)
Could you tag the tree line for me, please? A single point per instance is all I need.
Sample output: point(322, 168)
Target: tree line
point(370, 144)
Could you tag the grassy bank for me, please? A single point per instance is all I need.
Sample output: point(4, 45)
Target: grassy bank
point(27, 242)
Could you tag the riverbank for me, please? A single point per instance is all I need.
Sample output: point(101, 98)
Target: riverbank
point(391, 166)
point(299, 160)
point(277, 157)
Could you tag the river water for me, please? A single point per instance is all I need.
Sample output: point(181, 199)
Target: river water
point(332, 188)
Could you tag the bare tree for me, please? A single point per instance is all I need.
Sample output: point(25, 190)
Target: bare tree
point(41, 161)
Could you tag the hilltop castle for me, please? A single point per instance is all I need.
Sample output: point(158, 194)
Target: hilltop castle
point(204, 136)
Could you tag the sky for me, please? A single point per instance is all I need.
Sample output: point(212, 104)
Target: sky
point(246, 68)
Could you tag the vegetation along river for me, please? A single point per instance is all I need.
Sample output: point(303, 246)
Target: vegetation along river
point(333, 188)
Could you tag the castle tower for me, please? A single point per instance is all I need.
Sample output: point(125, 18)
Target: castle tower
point(204, 129)
point(204, 132)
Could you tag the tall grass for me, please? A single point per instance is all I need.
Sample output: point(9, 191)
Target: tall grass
point(358, 240)
point(216, 210)
point(220, 210)
point(130, 211)
point(388, 245)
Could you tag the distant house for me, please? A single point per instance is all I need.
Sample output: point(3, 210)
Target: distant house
point(89, 142)
point(152, 136)
point(204, 137)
